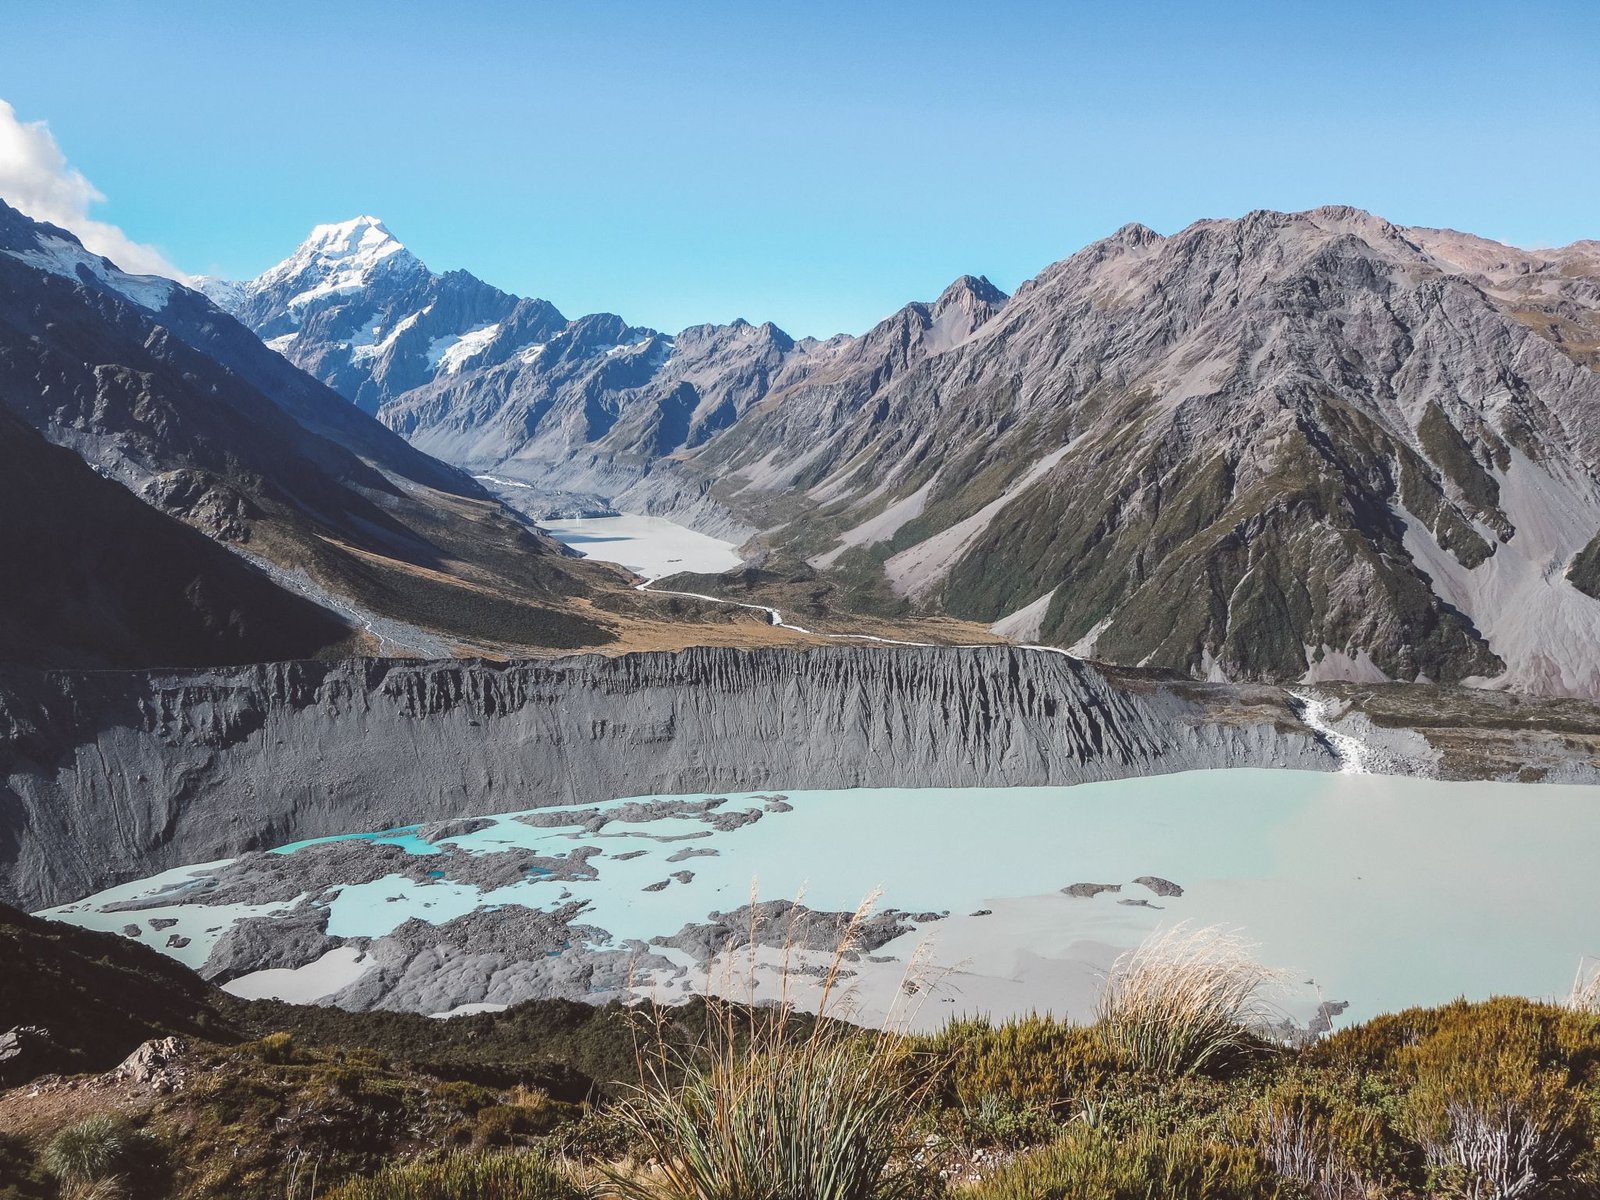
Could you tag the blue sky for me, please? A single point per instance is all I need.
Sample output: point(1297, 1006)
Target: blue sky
point(817, 165)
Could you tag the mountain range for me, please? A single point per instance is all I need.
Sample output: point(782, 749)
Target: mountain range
point(325, 532)
point(1289, 446)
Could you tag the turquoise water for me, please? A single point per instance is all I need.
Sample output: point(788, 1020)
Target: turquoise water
point(404, 836)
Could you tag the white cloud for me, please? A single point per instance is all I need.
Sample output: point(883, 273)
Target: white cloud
point(36, 179)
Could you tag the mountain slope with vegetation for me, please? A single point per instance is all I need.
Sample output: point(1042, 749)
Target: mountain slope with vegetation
point(1289, 445)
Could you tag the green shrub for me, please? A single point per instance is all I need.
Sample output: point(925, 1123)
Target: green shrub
point(999, 1121)
point(1030, 1062)
point(1094, 1164)
point(20, 1175)
point(507, 1124)
point(467, 1177)
point(105, 1157)
point(467, 1097)
point(1492, 1099)
point(596, 1136)
point(338, 1079)
point(1374, 1045)
point(1323, 1135)
point(277, 1048)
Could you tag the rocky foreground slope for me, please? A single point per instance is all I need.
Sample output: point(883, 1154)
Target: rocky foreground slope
point(106, 776)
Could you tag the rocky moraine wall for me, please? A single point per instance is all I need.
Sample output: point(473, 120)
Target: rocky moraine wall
point(106, 776)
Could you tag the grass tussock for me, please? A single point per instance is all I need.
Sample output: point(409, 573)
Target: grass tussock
point(1585, 995)
point(1185, 999)
point(90, 1150)
point(103, 1158)
point(767, 1108)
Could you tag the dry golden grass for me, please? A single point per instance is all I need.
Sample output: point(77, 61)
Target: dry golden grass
point(1185, 998)
point(1585, 994)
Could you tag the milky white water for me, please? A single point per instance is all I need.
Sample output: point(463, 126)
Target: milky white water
point(303, 985)
point(648, 546)
point(1384, 891)
point(188, 932)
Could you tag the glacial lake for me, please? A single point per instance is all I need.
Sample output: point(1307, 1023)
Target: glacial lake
point(649, 546)
point(1380, 891)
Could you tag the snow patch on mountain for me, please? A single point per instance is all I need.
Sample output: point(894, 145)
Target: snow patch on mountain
point(67, 258)
point(227, 294)
point(336, 260)
point(365, 349)
point(447, 355)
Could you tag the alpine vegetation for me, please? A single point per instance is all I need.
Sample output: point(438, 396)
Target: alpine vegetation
point(774, 1107)
point(1184, 998)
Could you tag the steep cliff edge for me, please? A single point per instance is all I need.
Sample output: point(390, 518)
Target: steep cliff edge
point(111, 775)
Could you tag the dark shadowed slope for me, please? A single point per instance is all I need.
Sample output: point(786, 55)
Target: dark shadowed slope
point(97, 995)
point(94, 577)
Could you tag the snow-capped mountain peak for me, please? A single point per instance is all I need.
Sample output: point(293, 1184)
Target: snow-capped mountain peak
point(337, 260)
point(227, 294)
point(361, 238)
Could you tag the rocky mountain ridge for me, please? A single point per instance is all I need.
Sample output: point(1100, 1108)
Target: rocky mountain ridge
point(1289, 446)
point(514, 392)
point(1294, 445)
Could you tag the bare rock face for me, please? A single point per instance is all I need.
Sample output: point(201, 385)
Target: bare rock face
point(1161, 887)
point(1292, 445)
point(287, 940)
point(107, 776)
point(496, 956)
point(157, 1065)
point(26, 1051)
point(785, 925)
